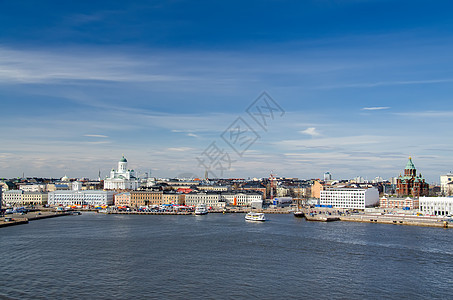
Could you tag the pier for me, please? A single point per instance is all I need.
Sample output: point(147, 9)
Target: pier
point(19, 219)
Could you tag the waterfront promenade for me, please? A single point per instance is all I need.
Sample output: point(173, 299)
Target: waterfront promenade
point(18, 219)
point(391, 218)
point(311, 214)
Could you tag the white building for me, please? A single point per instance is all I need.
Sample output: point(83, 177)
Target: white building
point(89, 197)
point(122, 178)
point(445, 184)
point(13, 197)
point(439, 206)
point(33, 187)
point(353, 198)
point(207, 198)
point(241, 199)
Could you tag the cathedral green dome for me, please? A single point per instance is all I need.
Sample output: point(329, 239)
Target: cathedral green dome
point(123, 159)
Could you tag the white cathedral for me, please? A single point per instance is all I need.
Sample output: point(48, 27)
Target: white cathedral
point(121, 179)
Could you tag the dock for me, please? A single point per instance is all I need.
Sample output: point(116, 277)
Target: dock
point(398, 220)
point(19, 219)
point(321, 218)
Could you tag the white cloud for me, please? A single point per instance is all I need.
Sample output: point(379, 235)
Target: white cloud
point(310, 131)
point(192, 135)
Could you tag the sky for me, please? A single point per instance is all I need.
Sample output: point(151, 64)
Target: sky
point(356, 87)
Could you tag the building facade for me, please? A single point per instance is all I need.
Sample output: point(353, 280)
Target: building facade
point(33, 187)
point(394, 202)
point(352, 198)
point(173, 198)
point(146, 198)
point(411, 183)
point(80, 198)
point(21, 198)
point(241, 199)
point(210, 199)
point(439, 206)
point(123, 199)
point(446, 183)
point(122, 178)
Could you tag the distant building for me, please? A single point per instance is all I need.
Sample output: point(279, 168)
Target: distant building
point(122, 178)
point(21, 198)
point(123, 199)
point(241, 199)
point(1, 197)
point(213, 188)
point(210, 199)
point(33, 187)
point(146, 198)
point(446, 184)
point(316, 189)
point(173, 198)
point(411, 183)
point(79, 198)
point(353, 198)
point(394, 202)
point(439, 206)
point(327, 176)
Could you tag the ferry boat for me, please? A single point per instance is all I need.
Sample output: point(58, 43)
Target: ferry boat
point(252, 216)
point(201, 210)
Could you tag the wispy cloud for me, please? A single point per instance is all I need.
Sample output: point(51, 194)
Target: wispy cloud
point(310, 131)
point(96, 135)
point(385, 83)
point(24, 66)
point(179, 149)
point(192, 135)
point(376, 108)
point(427, 114)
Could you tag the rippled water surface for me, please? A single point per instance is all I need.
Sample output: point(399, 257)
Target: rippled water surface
point(96, 256)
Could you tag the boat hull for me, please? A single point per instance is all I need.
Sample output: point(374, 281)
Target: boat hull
point(299, 214)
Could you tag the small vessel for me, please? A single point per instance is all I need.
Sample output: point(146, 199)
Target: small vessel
point(201, 210)
point(252, 216)
point(299, 214)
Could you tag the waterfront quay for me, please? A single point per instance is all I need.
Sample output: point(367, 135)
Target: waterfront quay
point(388, 217)
point(190, 212)
point(18, 219)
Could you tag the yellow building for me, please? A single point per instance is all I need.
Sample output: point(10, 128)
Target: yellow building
point(173, 198)
point(123, 199)
point(34, 198)
point(145, 198)
point(19, 197)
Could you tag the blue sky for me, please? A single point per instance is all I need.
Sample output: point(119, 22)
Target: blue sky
point(364, 85)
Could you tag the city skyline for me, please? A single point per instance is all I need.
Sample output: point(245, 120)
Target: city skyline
point(364, 85)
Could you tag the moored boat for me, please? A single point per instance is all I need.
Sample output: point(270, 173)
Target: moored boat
point(299, 214)
point(201, 210)
point(252, 216)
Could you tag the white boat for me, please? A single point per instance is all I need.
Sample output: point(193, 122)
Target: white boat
point(201, 210)
point(252, 216)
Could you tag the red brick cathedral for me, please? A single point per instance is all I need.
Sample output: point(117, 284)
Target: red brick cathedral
point(411, 183)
